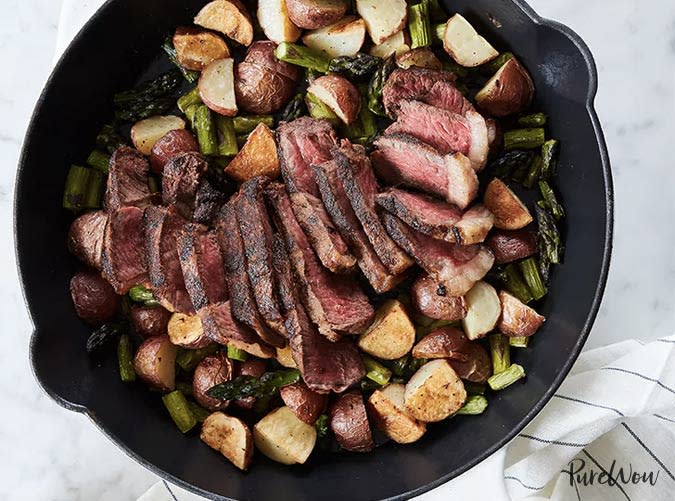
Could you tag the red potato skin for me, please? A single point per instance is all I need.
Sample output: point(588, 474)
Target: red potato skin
point(94, 299)
point(149, 321)
point(304, 15)
point(147, 362)
point(173, 143)
point(512, 93)
point(211, 371)
point(251, 367)
point(512, 245)
point(426, 298)
point(305, 404)
point(478, 366)
point(349, 422)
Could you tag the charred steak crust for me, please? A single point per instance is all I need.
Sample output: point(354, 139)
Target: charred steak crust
point(338, 207)
point(254, 223)
point(241, 294)
point(181, 179)
point(127, 179)
point(208, 202)
point(85, 237)
point(360, 185)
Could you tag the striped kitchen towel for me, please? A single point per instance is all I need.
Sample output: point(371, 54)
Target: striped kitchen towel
point(607, 434)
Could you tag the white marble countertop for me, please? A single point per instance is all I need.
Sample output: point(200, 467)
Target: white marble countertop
point(49, 453)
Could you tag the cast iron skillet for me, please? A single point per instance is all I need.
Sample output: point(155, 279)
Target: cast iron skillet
point(116, 47)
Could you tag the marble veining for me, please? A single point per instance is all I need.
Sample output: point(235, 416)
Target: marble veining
point(49, 453)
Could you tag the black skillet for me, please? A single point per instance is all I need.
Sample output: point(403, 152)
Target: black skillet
point(112, 51)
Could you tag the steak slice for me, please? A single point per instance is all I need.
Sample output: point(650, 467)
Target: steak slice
point(85, 237)
point(432, 300)
point(221, 327)
point(127, 179)
point(255, 224)
point(208, 202)
point(241, 294)
point(302, 143)
point(436, 218)
point(356, 175)
point(324, 366)
point(162, 227)
point(337, 204)
point(403, 159)
point(202, 266)
point(455, 267)
point(123, 259)
point(181, 179)
point(334, 302)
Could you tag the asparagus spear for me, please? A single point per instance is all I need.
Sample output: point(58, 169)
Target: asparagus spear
point(75, 192)
point(179, 410)
point(294, 109)
point(246, 123)
point(474, 405)
point(550, 244)
point(188, 99)
point(501, 355)
point(534, 173)
point(550, 200)
point(140, 294)
point(375, 371)
point(99, 161)
point(317, 109)
point(419, 25)
point(508, 162)
point(167, 46)
point(198, 411)
point(125, 359)
point(227, 136)
point(206, 131)
point(148, 99)
point(302, 56)
point(530, 270)
point(235, 353)
point(357, 67)
point(508, 377)
point(527, 139)
point(377, 83)
point(512, 281)
point(519, 341)
point(533, 120)
point(548, 154)
point(248, 386)
point(188, 360)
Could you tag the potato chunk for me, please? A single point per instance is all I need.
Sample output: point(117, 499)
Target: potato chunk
point(510, 213)
point(145, 133)
point(275, 21)
point(388, 410)
point(197, 48)
point(186, 331)
point(339, 94)
point(258, 157)
point(509, 91)
point(518, 319)
point(465, 45)
point(483, 311)
point(391, 335)
point(229, 17)
point(229, 436)
point(434, 392)
point(155, 363)
point(343, 38)
point(383, 18)
point(282, 437)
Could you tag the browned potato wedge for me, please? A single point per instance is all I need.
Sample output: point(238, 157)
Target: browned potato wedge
point(483, 311)
point(395, 44)
point(197, 48)
point(477, 367)
point(171, 144)
point(155, 363)
point(391, 335)
point(339, 94)
point(230, 436)
point(285, 357)
point(275, 22)
point(465, 45)
point(343, 38)
point(509, 91)
point(388, 411)
point(432, 300)
point(211, 371)
point(518, 319)
point(383, 18)
point(422, 57)
point(282, 437)
point(229, 17)
point(145, 133)
point(187, 331)
point(304, 403)
point(510, 213)
point(149, 321)
point(258, 157)
point(315, 14)
point(94, 299)
point(434, 392)
point(216, 87)
point(509, 246)
point(349, 422)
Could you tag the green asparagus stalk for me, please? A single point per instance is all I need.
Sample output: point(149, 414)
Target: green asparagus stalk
point(550, 200)
point(501, 355)
point(198, 411)
point(189, 359)
point(206, 131)
point(317, 109)
point(375, 371)
point(148, 99)
point(235, 353)
point(226, 136)
point(300, 55)
point(191, 115)
point(549, 151)
point(267, 385)
point(508, 377)
point(99, 161)
point(534, 173)
point(188, 99)
point(530, 269)
point(167, 46)
point(527, 139)
point(533, 120)
point(419, 25)
point(377, 83)
point(246, 123)
point(140, 294)
point(357, 67)
point(125, 359)
point(548, 241)
point(179, 409)
point(512, 281)
point(519, 341)
point(294, 109)
point(76, 190)
point(95, 188)
point(474, 405)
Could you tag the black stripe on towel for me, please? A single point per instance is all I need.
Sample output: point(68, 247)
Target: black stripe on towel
point(606, 473)
point(524, 485)
point(590, 403)
point(556, 442)
point(648, 450)
point(617, 369)
point(170, 491)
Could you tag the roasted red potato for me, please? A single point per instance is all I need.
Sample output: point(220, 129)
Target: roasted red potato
point(251, 367)
point(197, 48)
point(509, 246)
point(150, 321)
point(432, 300)
point(434, 392)
point(314, 14)
point(509, 91)
point(187, 331)
point(94, 299)
point(169, 145)
point(339, 94)
point(518, 319)
point(155, 363)
point(229, 17)
point(230, 436)
point(349, 422)
point(510, 213)
point(388, 410)
point(211, 371)
point(216, 87)
point(304, 403)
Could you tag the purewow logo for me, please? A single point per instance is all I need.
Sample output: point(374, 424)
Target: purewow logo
point(581, 473)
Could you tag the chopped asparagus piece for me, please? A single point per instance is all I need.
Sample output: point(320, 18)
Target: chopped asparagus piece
point(246, 123)
point(508, 377)
point(530, 269)
point(317, 109)
point(99, 161)
point(227, 136)
point(357, 67)
point(375, 371)
point(189, 359)
point(95, 189)
point(533, 120)
point(548, 154)
point(77, 184)
point(140, 294)
point(235, 353)
point(534, 174)
point(527, 139)
point(189, 99)
point(377, 83)
point(474, 405)
point(302, 56)
point(419, 25)
point(294, 109)
point(501, 354)
point(206, 131)
point(550, 200)
point(125, 359)
point(513, 282)
point(180, 412)
point(519, 341)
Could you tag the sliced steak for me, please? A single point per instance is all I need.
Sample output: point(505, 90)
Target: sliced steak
point(221, 327)
point(208, 202)
point(302, 143)
point(356, 175)
point(181, 180)
point(241, 294)
point(431, 299)
point(436, 218)
point(403, 159)
point(445, 95)
point(334, 302)
point(127, 179)
point(325, 366)
point(85, 237)
point(337, 205)
point(455, 267)
point(255, 225)
point(123, 259)
point(162, 227)
point(202, 266)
